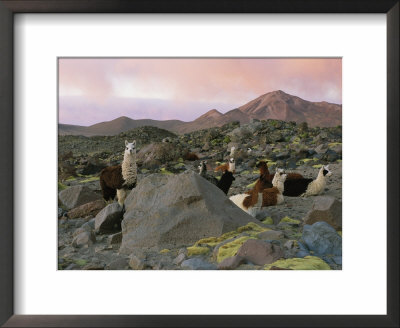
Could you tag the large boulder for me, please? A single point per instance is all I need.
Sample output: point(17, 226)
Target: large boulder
point(327, 209)
point(108, 219)
point(159, 153)
point(322, 239)
point(167, 211)
point(77, 195)
point(87, 209)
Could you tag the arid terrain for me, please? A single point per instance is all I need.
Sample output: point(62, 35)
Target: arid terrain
point(176, 219)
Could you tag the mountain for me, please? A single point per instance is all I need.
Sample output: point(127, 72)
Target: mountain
point(116, 126)
point(273, 105)
point(282, 106)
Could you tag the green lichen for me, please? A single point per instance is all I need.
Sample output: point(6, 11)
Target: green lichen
point(339, 233)
point(245, 172)
point(179, 165)
point(230, 249)
point(80, 262)
point(61, 186)
point(252, 228)
point(165, 171)
point(251, 185)
point(197, 250)
point(90, 179)
point(287, 219)
point(227, 139)
point(164, 251)
point(268, 220)
point(317, 166)
point(180, 160)
point(306, 263)
point(333, 144)
point(71, 178)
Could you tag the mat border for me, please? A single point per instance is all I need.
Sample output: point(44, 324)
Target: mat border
point(10, 7)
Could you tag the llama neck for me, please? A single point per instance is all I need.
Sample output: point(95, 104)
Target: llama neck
point(203, 170)
point(129, 169)
point(321, 180)
point(279, 185)
point(231, 167)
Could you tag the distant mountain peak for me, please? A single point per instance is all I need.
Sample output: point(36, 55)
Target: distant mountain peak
point(213, 113)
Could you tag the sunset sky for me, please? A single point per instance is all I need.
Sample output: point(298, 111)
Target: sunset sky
point(97, 90)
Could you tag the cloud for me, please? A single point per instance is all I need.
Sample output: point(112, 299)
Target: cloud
point(181, 81)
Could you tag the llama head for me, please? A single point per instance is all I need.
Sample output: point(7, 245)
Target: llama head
point(280, 176)
point(325, 171)
point(262, 166)
point(130, 147)
point(232, 160)
point(202, 167)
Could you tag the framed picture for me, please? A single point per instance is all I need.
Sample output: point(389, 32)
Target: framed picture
point(74, 86)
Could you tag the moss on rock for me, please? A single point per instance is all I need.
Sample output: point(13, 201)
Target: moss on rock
point(230, 249)
point(197, 250)
point(287, 219)
point(306, 263)
point(268, 220)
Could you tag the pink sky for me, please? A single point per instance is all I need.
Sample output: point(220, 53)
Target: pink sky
point(96, 90)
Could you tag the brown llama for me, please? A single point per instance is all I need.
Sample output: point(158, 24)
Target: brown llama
point(118, 179)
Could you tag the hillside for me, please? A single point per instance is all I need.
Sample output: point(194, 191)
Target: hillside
point(273, 105)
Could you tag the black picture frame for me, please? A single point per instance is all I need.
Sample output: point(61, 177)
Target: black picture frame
point(10, 7)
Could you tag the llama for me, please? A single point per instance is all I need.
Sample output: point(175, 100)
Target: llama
point(226, 181)
point(290, 176)
point(203, 172)
point(188, 156)
point(230, 166)
point(261, 184)
point(308, 187)
point(232, 151)
point(117, 180)
point(261, 196)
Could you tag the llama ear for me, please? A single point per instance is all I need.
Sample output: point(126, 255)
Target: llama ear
point(134, 142)
point(126, 143)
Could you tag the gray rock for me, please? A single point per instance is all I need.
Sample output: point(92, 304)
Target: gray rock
point(270, 235)
point(327, 209)
point(259, 252)
point(137, 261)
point(171, 211)
point(87, 209)
point(118, 264)
point(197, 263)
point(83, 228)
point(231, 263)
point(179, 259)
point(322, 239)
point(321, 149)
point(84, 239)
point(115, 238)
point(108, 217)
point(60, 212)
point(77, 195)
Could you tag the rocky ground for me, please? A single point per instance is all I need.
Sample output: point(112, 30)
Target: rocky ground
point(302, 233)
